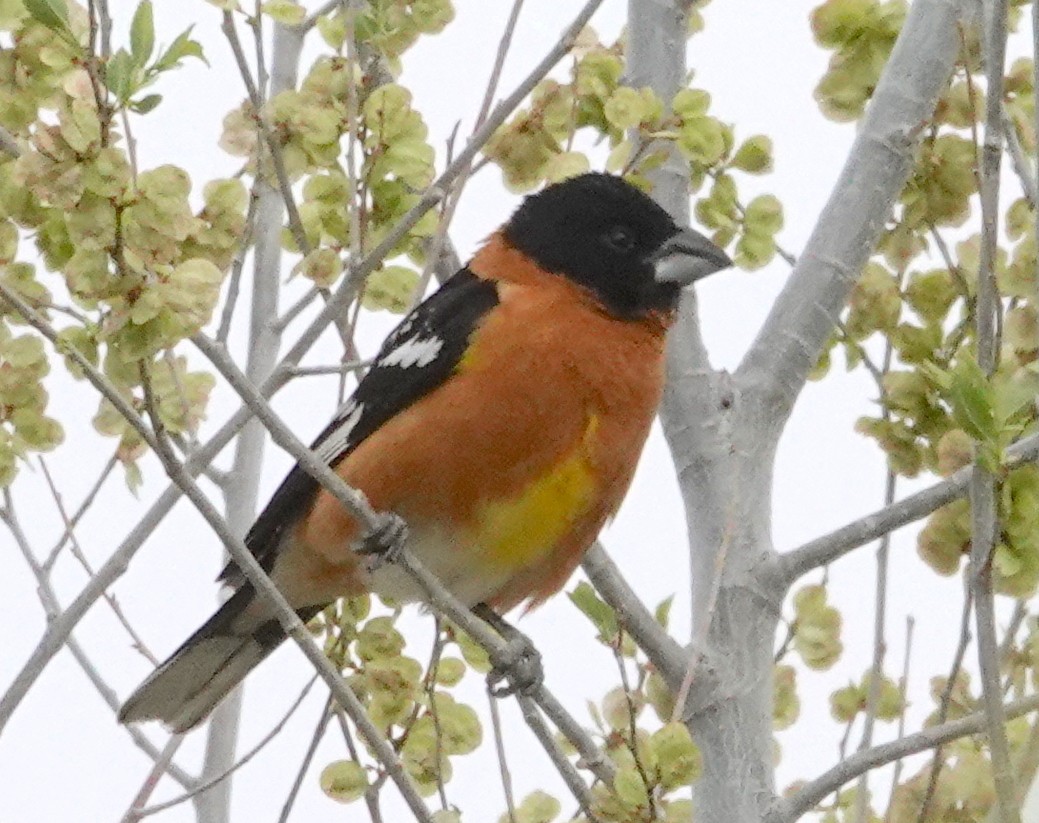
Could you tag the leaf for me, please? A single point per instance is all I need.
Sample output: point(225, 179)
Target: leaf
point(662, 613)
point(119, 75)
point(344, 781)
point(972, 399)
point(145, 104)
point(602, 616)
point(180, 48)
point(54, 14)
point(142, 34)
point(286, 12)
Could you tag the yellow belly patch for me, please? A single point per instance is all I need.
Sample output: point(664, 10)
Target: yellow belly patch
point(513, 533)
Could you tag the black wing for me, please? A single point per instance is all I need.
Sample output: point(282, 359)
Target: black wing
point(419, 355)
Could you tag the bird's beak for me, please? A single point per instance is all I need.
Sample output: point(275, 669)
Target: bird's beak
point(686, 257)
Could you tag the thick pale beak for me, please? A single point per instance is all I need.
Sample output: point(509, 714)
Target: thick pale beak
point(686, 257)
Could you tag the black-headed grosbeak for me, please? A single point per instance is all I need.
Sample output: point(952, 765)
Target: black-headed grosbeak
point(502, 419)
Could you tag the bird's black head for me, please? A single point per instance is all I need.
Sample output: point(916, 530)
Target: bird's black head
point(610, 237)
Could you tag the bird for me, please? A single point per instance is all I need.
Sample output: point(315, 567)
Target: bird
point(502, 419)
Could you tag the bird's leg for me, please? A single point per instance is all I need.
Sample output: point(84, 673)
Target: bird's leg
point(385, 542)
point(519, 666)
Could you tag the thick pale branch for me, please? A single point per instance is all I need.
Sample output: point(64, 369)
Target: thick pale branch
point(789, 809)
point(804, 316)
point(836, 544)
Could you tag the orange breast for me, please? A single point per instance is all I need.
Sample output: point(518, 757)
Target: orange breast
point(553, 400)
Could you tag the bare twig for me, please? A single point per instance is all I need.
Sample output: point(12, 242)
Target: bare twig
point(862, 810)
point(983, 490)
point(791, 808)
point(152, 780)
point(944, 701)
point(903, 690)
point(562, 765)
point(277, 159)
point(77, 552)
point(664, 653)
point(139, 813)
point(836, 544)
point(234, 281)
point(52, 608)
point(308, 757)
point(1019, 160)
point(503, 764)
point(73, 521)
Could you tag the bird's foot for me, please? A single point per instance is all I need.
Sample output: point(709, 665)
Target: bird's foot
point(518, 668)
point(384, 543)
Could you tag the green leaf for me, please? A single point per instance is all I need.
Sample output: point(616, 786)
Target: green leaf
point(602, 616)
point(180, 48)
point(286, 12)
point(972, 400)
point(143, 105)
point(662, 613)
point(119, 74)
point(536, 807)
point(344, 781)
point(142, 34)
point(54, 14)
point(755, 155)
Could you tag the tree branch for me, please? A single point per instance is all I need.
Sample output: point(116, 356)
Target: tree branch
point(877, 168)
point(984, 483)
point(823, 550)
point(667, 657)
point(789, 809)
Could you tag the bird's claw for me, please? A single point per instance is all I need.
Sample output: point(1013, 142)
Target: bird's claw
point(518, 669)
point(385, 542)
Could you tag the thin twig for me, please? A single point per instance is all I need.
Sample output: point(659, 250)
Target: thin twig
point(308, 757)
point(77, 552)
point(52, 608)
point(792, 807)
point(152, 780)
point(983, 491)
point(903, 691)
point(277, 158)
point(633, 728)
point(1019, 160)
point(73, 521)
point(664, 653)
point(944, 701)
point(234, 281)
point(245, 758)
point(562, 764)
point(503, 764)
point(824, 550)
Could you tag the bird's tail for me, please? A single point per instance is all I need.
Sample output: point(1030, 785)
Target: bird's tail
point(215, 659)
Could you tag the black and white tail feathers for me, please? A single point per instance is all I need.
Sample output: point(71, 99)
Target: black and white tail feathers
point(215, 659)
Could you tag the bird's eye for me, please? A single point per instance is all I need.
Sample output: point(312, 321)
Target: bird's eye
point(620, 238)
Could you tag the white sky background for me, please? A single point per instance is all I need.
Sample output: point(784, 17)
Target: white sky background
point(63, 757)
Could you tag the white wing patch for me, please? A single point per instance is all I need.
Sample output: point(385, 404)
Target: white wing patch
point(349, 416)
point(416, 351)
